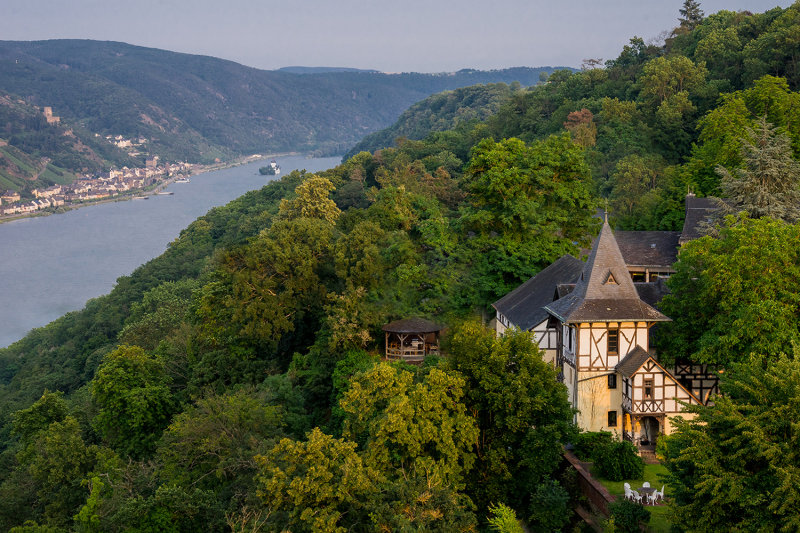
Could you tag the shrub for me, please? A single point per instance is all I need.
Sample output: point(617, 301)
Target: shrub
point(618, 461)
point(549, 507)
point(504, 519)
point(588, 443)
point(626, 516)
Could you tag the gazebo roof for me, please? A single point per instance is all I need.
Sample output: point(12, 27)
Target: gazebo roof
point(412, 325)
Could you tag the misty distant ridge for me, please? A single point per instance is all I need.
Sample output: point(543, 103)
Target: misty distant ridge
point(323, 70)
point(326, 70)
point(199, 108)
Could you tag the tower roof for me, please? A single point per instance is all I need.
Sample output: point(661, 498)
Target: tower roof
point(605, 291)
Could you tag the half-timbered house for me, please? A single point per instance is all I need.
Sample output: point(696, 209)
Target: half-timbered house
point(594, 323)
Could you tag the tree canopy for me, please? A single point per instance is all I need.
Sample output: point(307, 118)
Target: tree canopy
point(734, 295)
point(736, 462)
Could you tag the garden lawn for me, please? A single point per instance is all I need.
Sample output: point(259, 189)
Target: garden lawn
point(659, 521)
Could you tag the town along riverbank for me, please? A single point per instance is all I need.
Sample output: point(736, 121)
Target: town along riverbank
point(159, 185)
point(53, 265)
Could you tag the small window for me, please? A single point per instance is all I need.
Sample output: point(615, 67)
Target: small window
point(612, 381)
point(569, 338)
point(613, 341)
point(648, 389)
point(612, 419)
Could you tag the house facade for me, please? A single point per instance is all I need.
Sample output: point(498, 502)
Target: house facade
point(595, 324)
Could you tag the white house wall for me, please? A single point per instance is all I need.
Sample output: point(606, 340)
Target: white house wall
point(667, 393)
point(592, 343)
point(547, 338)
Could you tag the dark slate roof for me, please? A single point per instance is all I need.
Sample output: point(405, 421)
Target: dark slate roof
point(631, 362)
point(595, 298)
point(648, 248)
point(524, 306)
point(412, 325)
point(564, 289)
point(652, 292)
point(698, 210)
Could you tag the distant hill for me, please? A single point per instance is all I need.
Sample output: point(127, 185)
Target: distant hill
point(440, 112)
point(198, 108)
point(35, 153)
point(321, 70)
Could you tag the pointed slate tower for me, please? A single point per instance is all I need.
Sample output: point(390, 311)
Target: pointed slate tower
point(601, 321)
point(604, 292)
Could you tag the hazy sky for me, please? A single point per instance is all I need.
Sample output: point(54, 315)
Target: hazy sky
point(392, 36)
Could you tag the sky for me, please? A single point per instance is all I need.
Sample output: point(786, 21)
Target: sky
point(390, 36)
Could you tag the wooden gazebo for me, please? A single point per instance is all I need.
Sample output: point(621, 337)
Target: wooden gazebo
point(411, 339)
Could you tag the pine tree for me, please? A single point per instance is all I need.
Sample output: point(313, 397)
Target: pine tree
point(691, 14)
point(769, 183)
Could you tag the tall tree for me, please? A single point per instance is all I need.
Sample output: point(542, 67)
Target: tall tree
point(312, 201)
point(319, 485)
point(522, 413)
point(734, 295)
point(769, 183)
point(691, 14)
point(411, 427)
point(737, 463)
point(135, 404)
point(528, 205)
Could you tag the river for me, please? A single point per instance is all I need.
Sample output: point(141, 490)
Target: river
point(52, 265)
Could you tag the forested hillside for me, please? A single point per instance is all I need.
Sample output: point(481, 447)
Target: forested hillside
point(34, 153)
point(197, 108)
point(440, 112)
point(235, 383)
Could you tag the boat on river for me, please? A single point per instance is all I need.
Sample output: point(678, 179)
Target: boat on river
point(270, 170)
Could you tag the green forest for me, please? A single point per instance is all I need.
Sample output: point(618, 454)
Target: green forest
point(199, 109)
point(35, 154)
point(236, 382)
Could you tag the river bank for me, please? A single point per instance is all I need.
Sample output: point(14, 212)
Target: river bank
point(53, 265)
point(130, 195)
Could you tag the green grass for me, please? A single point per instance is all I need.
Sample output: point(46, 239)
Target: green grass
point(651, 474)
point(24, 166)
point(57, 175)
point(659, 517)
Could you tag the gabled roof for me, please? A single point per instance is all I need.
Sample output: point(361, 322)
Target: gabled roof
point(524, 306)
point(652, 292)
point(698, 210)
point(631, 362)
point(637, 357)
point(648, 248)
point(605, 291)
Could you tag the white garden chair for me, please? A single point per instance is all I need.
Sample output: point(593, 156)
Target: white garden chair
point(651, 498)
point(637, 497)
point(628, 493)
point(646, 484)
